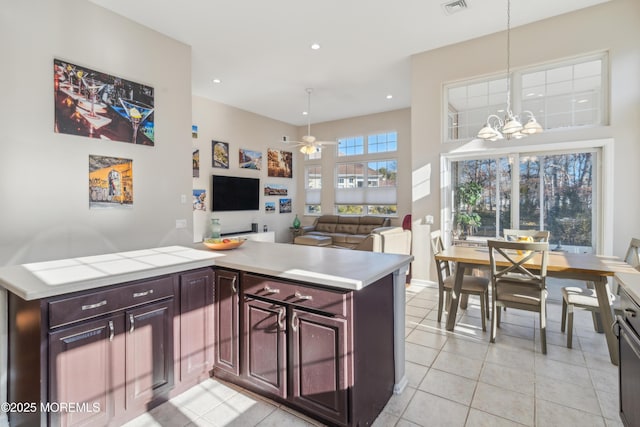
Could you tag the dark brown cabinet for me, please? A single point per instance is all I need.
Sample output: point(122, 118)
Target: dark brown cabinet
point(226, 323)
point(89, 360)
point(196, 325)
point(265, 346)
point(149, 352)
point(325, 352)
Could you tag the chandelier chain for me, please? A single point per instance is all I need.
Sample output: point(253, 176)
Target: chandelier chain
point(509, 57)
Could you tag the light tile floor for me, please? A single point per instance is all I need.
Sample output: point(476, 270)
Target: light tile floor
point(455, 379)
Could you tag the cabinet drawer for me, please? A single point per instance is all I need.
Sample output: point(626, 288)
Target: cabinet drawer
point(94, 304)
point(326, 300)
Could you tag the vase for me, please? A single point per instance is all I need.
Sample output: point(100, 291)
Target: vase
point(296, 222)
point(215, 228)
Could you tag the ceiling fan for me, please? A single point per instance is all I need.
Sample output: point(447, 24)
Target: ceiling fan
point(309, 143)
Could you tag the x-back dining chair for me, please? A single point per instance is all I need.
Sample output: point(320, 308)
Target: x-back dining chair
point(471, 285)
point(587, 299)
point(516, 284)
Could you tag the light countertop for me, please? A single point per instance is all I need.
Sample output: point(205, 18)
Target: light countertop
point(336, 268)
point(631, 283)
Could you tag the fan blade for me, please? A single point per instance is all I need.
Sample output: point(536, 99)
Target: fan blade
point(326, 142)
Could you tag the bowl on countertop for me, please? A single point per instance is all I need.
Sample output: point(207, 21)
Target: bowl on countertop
point(223, 244)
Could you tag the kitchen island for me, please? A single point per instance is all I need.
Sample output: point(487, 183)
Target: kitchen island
point(335, 294)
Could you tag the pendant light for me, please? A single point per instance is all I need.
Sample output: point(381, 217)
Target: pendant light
point(496, 128)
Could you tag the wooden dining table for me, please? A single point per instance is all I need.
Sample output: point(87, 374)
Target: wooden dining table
point(586, 267)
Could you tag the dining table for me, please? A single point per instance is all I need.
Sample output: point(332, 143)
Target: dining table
point(588, 267)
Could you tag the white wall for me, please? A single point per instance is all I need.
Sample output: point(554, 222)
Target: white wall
point(242, 129)
point(612, 26)
point(397, 120)
point(44, 175)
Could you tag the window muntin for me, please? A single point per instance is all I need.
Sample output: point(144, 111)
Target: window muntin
point(313, 189)
point(382, 142)
point(313, 177)
point(561, 95)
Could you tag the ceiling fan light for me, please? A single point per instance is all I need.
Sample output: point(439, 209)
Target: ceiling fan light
point(308, 149)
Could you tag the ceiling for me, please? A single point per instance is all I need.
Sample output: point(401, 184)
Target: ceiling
point(260, 50)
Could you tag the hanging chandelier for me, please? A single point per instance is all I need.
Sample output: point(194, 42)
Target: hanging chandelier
point(511, 127)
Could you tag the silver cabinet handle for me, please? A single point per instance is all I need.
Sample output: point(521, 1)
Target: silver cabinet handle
point(629, 312)
point(96, 305)
point(142, 294)
point(131, 322)
point(298, 295)
point(233, 285)
point(111, 330)
point(294, 322)
point(281, 324)
point(268, 289)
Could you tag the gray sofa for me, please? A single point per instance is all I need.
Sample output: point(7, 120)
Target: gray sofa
point(353, 232)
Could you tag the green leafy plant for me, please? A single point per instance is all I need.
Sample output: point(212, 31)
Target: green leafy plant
point(468, 195)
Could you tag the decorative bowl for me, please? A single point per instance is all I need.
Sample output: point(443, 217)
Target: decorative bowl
point(223, 244)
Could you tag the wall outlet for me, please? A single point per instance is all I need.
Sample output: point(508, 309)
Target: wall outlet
point(181, 223)
point(183, 198)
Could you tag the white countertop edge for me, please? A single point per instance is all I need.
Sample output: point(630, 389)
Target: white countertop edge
point(23, 280)
point(631, 284)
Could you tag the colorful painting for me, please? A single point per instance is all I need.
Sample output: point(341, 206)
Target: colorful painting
point(199, 199)
point(98, 105)
point(196, 163)
point(285, 205)
point(279, 163)
point(250, 159)
point(194, 131)
point(220, 154)
point(270, 207)
point(110, 182)
point(275, 190)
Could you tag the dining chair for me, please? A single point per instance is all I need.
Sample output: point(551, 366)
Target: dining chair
point(471, 285)
point(587, 299)
point(511, 234)
point(516, 283)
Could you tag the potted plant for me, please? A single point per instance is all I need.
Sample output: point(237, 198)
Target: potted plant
point(468, 195)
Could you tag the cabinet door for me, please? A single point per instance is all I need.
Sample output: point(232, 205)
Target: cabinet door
point(227, 314)
point(319, 364)
point(196, 323)
point(265, 352)
point(149, 354)
point(86, 366)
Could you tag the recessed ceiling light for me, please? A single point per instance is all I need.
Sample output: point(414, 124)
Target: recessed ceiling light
point(305, 113)
point(389, 96)
point(217, 81)
point(315, 46)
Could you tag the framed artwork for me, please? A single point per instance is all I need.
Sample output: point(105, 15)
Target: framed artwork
point(194, 131)
point(275, 190)
point(98, 105)
point(199, 199)
point(270, 207)
point(279, 163)
point(249, 159)
point(196, 163)
point(220, 154)
point(285, 205)
point(110, 182)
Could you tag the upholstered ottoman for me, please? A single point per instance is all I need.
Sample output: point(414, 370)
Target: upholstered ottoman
point(313, 240)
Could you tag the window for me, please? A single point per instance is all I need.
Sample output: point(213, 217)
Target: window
point(351, 146)
point(560, 95)
point(544, 191)
point(313, 189)
point(367, 186)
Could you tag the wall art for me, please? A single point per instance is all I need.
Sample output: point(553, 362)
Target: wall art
point(270, 207)
point(279, 163)
point(220, 154)
point(199, 200)
point(99, 105)
point(275, 190)
point(194, 131)
point(250, 159)
point(196, 163)
point(110, 182)
point(285, 205)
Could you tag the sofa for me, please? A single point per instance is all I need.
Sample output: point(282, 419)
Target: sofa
point(352, 232)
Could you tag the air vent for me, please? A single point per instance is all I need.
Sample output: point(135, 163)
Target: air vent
point(454, 6)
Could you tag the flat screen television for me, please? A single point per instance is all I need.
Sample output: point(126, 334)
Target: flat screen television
point(232, 193)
